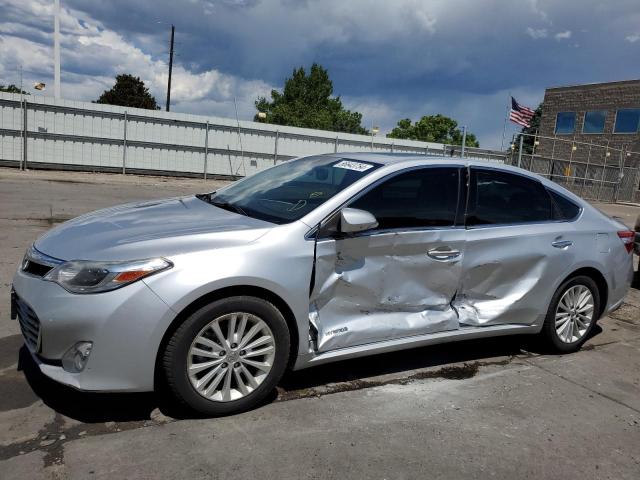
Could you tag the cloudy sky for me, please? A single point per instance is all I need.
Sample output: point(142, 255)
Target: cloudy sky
point(389, 59)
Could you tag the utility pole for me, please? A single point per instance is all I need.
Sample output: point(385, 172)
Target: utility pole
point(56, 49)
point(173, 30)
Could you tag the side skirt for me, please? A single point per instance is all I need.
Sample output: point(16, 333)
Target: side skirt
point(465, 333)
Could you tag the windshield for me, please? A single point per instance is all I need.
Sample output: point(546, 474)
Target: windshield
point(289, 191)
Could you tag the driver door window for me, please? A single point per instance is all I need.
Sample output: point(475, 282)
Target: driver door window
point(419, 198)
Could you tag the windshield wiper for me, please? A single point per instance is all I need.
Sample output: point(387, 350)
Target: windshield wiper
point(228, 206)
point(209, 198)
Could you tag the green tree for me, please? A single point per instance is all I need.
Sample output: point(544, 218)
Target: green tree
point(532, 129)
point(433, 128)
point(306, 101)
point(12, 89)
point(129, 91)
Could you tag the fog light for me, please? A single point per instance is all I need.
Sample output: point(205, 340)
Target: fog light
point(76, 357)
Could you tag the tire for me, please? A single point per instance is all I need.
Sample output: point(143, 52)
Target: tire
point(181, 361)
point(566, 341)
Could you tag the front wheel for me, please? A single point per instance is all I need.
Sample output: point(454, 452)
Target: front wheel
point(572, 314)
point(227, 356)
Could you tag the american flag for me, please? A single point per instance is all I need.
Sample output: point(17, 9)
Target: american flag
point(519, 114)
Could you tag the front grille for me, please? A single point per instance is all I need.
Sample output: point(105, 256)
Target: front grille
point(37, 263)
point(37, 269)
point(29, 324)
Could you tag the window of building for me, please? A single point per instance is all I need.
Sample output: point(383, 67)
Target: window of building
point(627, 120)
point(419, 198)
point(594, 121)
point(499, 198)
point(565, 123)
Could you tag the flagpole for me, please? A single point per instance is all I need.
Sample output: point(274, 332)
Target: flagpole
point(504, 126)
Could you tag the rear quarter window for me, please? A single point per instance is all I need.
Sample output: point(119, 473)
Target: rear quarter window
point(563, 208)
point(504, 198)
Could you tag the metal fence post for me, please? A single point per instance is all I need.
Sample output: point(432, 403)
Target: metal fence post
point(335, 147)
point(275, 147)
point(23, 162)
point(124, 146)
point(586, 169)
point(573, 147)
point(635, 189)
point(206, 147)
point(230, 165)
point(604, 169)
point(520, 151)
point(464, 140)
point(616, 193)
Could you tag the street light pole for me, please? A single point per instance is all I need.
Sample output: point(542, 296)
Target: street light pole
point(56, 49)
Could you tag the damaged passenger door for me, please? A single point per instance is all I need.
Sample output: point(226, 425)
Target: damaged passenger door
point(399, 278)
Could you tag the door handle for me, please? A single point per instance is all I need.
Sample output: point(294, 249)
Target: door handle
point(443, 253)
point(562, 243)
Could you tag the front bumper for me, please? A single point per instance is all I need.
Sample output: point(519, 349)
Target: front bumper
point(125, 325)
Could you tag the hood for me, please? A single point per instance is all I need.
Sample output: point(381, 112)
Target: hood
point(150, 229)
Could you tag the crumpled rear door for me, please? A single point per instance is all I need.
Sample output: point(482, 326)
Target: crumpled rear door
point(515, 252)
point(384, 286)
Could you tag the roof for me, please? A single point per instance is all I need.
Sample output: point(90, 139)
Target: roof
point(387, 157)
point(411, 159)
point(595, 85)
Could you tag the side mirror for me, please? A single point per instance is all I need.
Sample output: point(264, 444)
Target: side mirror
point(354, 220)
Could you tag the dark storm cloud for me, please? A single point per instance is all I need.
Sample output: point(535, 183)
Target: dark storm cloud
point(391, 59)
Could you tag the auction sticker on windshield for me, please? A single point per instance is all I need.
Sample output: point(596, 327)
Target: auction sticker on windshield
point(350, 165)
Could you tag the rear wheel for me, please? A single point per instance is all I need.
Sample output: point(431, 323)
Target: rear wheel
point(572, 314)
point(227, 356)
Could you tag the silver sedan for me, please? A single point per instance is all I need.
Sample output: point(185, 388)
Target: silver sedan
point(312, 261)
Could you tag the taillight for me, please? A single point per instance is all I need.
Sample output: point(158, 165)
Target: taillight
point(627, 237)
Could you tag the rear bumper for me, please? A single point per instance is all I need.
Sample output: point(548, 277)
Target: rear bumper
point(125, 325)
point(619, 278)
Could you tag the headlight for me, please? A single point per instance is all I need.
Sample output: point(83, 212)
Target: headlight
point(80, 276)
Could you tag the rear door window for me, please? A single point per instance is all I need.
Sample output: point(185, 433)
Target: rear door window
point(503, 198)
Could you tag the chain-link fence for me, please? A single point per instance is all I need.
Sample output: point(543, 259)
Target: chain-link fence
point(592, 171)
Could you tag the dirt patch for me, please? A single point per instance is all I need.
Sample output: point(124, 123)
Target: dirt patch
point(54, 435)
point(462, 372)
point(454, 372)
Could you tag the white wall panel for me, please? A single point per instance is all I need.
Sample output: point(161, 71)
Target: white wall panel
point(92, 135)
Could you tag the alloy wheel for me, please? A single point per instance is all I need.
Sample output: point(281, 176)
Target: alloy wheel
point(231, 356)
point(574, 314)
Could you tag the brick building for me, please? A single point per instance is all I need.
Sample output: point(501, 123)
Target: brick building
point(605, 114)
